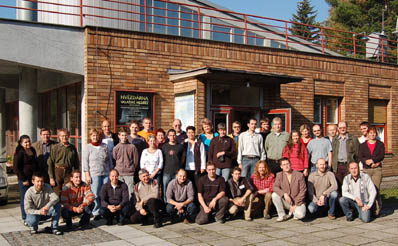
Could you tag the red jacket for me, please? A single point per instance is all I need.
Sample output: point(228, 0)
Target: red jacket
point(298, 162)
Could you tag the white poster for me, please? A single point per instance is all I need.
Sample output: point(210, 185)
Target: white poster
point(184, 109)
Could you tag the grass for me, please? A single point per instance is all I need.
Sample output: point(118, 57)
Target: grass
point(389, 196)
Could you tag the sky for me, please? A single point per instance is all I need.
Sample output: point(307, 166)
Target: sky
point(278, 9)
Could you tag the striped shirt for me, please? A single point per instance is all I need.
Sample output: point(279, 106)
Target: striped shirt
point(72, 196)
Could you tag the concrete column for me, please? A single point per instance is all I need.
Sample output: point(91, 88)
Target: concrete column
point(26, 14)
point(2, 123)
point(28, 103)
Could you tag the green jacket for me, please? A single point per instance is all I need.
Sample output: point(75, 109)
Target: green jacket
point(63, 156)
point(352, 150)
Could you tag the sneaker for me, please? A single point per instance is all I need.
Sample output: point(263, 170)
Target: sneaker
point(33, 231)
point(97, 217)
point(349, 219)
point(25, 224)
point(109, 222)
point(221, 221)
point(186, 221)
point(267, 217)
point(331, 217)
point(157, 225)
point(249, 219)
point(284, 218)
point(57, 232)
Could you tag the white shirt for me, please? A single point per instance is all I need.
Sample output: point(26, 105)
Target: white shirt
point(151, 161)
point(190, 159)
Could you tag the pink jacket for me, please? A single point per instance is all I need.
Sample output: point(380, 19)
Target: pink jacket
point(298, 162)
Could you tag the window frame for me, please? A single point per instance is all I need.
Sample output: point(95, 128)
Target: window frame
point(324, 112)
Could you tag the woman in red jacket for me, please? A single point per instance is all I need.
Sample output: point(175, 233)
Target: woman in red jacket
point(371, 154)
point(296, 152)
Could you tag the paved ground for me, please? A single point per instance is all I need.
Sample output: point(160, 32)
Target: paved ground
point(321, 231)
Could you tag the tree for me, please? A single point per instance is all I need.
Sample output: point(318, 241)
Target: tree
point(305, 15)
point(361, 16)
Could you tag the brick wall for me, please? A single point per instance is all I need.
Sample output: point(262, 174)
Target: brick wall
point(140, 61)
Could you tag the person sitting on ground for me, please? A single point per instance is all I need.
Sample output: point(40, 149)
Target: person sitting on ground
point(148, 200)
point(263, 180)
point(322, 189)
point(359, 195)
point(180, 196)
point(240, 194)
point(115, 199)
point(77, 199)
point(41, 203)
point(211, 196)
point(289, 192)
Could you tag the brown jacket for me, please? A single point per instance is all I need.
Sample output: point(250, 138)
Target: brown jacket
point(296, 189)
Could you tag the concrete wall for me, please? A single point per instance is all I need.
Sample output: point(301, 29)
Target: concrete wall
point(51, 47)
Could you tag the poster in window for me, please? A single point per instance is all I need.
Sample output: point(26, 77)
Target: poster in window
point(184, 109)
point(133, 105)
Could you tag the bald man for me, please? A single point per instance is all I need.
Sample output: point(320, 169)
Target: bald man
point(181, 135)
point(110, 138)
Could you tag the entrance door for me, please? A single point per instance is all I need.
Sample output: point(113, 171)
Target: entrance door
point(284, 113)
point(228, 115)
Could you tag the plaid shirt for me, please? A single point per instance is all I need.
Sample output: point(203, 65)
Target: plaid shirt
point(72, 197)
point(261, 184)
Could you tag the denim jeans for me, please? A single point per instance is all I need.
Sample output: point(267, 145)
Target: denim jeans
point(329, 201)
point(248, 166)
point(347, 203)
point(190, 211)
point(224, 172)
point(22, 191)
point(54, 212)
point(97, 183)
point(166, 179)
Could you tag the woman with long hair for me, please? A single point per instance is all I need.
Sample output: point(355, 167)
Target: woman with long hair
point(305, 132)
point(263, 180)
point(297, 153)
point(96, 163)
point(208, 133)
point(25, 165)
point(371, 154)
point(152, 159)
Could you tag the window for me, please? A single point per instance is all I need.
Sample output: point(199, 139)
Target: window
point(378, 118)
point(275, 44)
point(326, 111)
point(235, 95)
point(220, 31)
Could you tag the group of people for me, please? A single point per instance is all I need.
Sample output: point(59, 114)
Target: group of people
point(139, 176)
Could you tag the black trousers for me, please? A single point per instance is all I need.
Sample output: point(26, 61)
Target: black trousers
point(120, 215)
point(84, 220)
point(274, 166)
point(153, 207)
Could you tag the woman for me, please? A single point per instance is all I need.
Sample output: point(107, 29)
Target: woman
point(97, 163)
point(25, 164)
point(152, 159)
point(371, 154)
point(160, 137)
point(207, 134)
point(263, 180)
point(296, 153)
point(305, 135)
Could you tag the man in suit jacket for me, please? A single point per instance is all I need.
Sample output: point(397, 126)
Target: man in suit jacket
point(43, 148)
point(289, 192)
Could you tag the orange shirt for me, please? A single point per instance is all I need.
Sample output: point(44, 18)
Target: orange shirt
point(145, 134)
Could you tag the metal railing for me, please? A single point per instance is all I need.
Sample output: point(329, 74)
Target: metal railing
point(175, 18)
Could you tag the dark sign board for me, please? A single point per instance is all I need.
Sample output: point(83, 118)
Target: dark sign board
point(133, 105)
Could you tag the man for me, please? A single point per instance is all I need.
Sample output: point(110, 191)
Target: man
point(363, 128)
point(289, 192)
point(115, 199)
point(148, 201)
point(358, 192)
point(221, 152)
point(211, 196)
point(195, 161)
point(274, 145)
point(180, 198)
point(251, 149)
point(77, 199)
point(147, 124)
point(236, 127)
point(265, 128)
point(43, 149)
point(173, 159)
point(181, 135)
point(62, 161)
point(126, 156)
point(345, 150)
point(109, 138)
point(41, 203)
point(240, 194)
point(322, 189)
point(318, 148)
point(332, 132)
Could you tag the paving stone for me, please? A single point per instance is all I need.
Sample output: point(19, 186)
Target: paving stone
point(166, 234)
point(281, 234)
point(328, 226)
point(327, 243)
point(162, 244)
point(275, 243)
point(392, 230)
point(228, 242)
point(305, 229)
point(118, 243)
point(326, 234)
point(183, 240)
point(381, 243)
point(216, 227)
point(234, 233)
point(350, 230)
point(391, 240)
point(379, 235)
point(145, 240)
point(354, 239)
point(255, 238)
point(372, 226)
point(303, 239)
